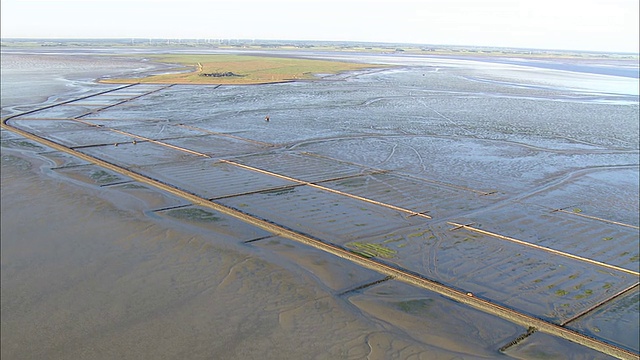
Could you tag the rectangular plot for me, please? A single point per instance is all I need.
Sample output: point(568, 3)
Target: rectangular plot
point(92, 174)
point(328, 216)
point(123, 94)
point(212, 179)
point(89, 136)
point(597, 240)
point(209, 222)
point(217, 146)
point(139, 155)
point(412, 194)
point(98, 101)
point(23, 144)
point(135, 113)
point(303, 166)
point(62, 112)
point(612, 194)
point(44, 127)
point(528, 280)
point(157, 130)
point(99, 119)
point(139, 88)
point(615, 322)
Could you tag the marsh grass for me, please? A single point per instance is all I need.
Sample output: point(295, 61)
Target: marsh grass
point(193, 214)
point(370, 250)
point(103, 177)
point(252, 69)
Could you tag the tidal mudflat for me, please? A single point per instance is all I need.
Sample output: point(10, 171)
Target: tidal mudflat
point(382, 163)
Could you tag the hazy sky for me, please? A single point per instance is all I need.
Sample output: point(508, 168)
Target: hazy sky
point(601, 25)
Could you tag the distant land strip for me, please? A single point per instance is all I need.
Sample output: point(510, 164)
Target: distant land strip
point(246, 69)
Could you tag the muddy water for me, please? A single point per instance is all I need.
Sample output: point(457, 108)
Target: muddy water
point(89, 271)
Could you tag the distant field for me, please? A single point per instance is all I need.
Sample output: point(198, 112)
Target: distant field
point(244, 69)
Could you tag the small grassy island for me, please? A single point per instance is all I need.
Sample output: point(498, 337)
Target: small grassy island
point(241, 69)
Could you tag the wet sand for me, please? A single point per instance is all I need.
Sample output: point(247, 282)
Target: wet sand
point(90, 272)
point(84, 279)
point(86, 273)
point(87, 277)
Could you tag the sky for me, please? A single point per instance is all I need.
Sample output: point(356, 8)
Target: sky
point(592, 25)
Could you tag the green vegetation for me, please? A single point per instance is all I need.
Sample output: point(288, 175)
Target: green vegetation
point(415, 306)
point(249, 69)
point(103, 177)
point(418, 234)
point(16, 162)
point(371, 250)
point(28, 144)
point(278, 192)
point(134, 186)
point(21, 144)
point(193, 214)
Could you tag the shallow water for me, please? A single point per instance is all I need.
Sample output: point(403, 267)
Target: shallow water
point(95, 266)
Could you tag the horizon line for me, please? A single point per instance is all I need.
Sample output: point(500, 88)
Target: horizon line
point(230, 39)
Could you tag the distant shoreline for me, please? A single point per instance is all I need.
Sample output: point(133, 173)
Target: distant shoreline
point(337, 46)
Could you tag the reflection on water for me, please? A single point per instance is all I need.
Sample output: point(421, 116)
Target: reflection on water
point(32, 79)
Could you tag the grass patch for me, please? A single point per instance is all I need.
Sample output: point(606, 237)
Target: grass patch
point(16, 162)
point(249, 69)
point(133, 186)
point(419, 234)
point(28, 144)
point(415, 306)
point(193, 214)
point(371, 250)
point(103, 177)
point(12, 143)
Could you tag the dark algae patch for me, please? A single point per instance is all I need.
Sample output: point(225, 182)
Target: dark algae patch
point(24, 144)
point(16, 162)
point(193, 214)
point(415, 306)
point(103, 177)
point(279, 192)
